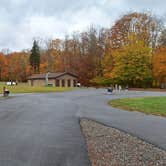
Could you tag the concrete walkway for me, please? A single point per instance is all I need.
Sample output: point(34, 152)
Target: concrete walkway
point(44, 130)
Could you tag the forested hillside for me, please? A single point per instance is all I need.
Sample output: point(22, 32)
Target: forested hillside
point(132, 52)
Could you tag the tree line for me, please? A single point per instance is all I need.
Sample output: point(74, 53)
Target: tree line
point(132, 52)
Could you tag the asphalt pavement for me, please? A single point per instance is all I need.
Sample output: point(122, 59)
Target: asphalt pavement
point(44, 130)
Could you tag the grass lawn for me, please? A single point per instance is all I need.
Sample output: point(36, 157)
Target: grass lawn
point(25, 88)
point(148, 105)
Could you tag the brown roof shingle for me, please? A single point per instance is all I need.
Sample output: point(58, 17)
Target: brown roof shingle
point(50, 75)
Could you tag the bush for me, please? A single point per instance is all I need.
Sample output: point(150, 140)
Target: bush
point(102, 81)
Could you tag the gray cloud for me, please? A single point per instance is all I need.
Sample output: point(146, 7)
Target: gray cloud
point(22, 20)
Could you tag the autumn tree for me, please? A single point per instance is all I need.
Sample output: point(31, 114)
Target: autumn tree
point(3, 67)
point(35, 57)
point(159, 65)
point(18, 66)
point(145, 26)
point(162, 38)
point(133, 64)
point(108, 63)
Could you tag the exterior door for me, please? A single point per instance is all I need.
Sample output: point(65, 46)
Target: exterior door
point(63, 83)
point(75, 83)
point(57, 83)
point(69, 83)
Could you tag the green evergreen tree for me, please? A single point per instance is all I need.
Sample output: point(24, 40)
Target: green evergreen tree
point(35, 57)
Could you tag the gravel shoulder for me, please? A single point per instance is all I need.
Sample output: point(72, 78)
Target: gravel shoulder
point(111, 147)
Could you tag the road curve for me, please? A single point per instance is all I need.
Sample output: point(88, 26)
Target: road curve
point(44, 130)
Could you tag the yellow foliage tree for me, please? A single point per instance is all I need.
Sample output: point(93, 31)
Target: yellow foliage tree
point(133, 64)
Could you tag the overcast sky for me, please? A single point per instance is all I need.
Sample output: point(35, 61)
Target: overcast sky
point(22, 20)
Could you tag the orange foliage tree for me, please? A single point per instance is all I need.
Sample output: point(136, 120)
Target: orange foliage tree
point(159, 65)
point(3, 67)
point(18, 66)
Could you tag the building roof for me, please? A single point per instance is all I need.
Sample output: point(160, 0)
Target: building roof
point(50, 75)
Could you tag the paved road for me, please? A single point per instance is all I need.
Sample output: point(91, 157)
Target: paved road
point(43, 129)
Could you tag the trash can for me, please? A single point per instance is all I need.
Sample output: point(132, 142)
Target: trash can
point(7, 92)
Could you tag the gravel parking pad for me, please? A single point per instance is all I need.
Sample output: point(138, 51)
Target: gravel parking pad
point(110, 147)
